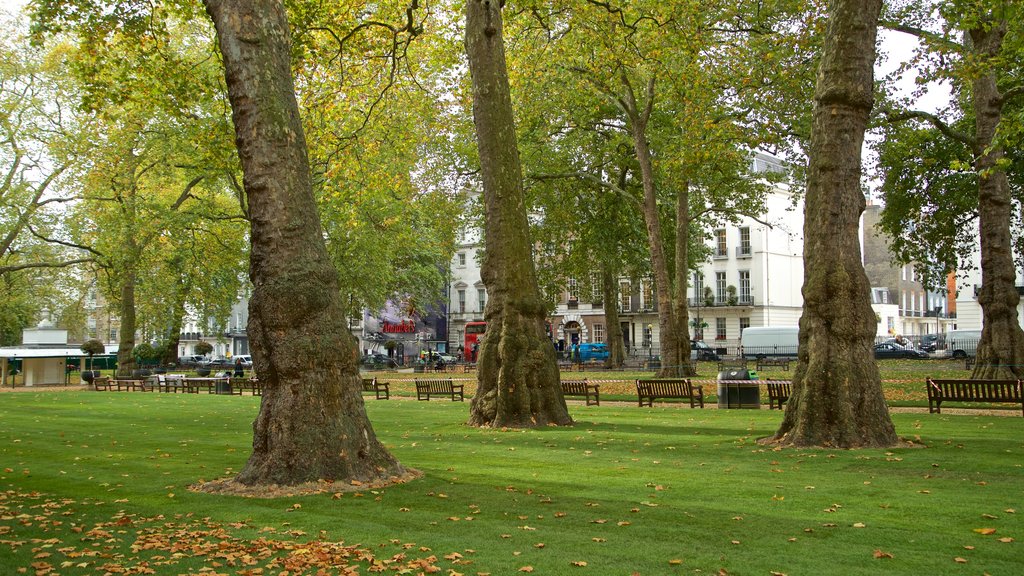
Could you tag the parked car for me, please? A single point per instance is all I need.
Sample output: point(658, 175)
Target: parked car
point(377, 361)
point(192, 360)
point(246, 360)
point(699, 350)
point(597, 351)
point(933, 342)
point(887, 350)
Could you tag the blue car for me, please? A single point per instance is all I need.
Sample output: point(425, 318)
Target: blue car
point(593, 351)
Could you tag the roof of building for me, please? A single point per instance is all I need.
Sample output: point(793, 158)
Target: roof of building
point(18, 352)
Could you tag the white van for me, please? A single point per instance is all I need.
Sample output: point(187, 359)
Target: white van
point(962, 343)
point(764, 341)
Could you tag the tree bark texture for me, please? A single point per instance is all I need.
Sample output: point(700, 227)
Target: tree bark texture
point(182, 287)
point(126, 332)
point(672, 338)
point(312, 422)
point(681, 280)
point(837, 394)
point(518, 380)
point(609, 293)
point(1000, 352)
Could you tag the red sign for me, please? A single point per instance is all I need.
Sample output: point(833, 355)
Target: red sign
point(403, 327)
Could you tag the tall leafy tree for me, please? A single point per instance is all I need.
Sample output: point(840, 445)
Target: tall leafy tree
point(837, 393)
point(978, 48)
point(312, 422)
point(517, 375)
point(41, 135)
point(679, 116)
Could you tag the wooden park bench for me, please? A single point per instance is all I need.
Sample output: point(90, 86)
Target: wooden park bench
point(101, 383)
point(969, 362)
point(382, 390)
point(240, 384)
point(582, 388)
point(130, 384)
point(778, 393)
point(649, 389)
point(425, 388)
point(739, 364)
point(767, 361)
point(957, 390)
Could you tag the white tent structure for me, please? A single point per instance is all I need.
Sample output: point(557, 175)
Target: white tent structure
point(43, 354)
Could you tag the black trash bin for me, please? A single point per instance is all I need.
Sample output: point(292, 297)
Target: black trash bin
point(223, 386)
point(738, 388)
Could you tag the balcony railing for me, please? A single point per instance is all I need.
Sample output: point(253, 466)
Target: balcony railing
point(718, 302)
point(720, 253)
point(744, 252)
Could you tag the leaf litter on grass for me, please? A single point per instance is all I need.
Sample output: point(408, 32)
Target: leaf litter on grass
point(56, 538)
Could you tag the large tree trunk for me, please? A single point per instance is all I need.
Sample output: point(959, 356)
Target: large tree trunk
point(1000, 352)
point(126, 333)
point(312, 422)
point(181, 290)
point(518, 380)
point(837, 394)
point(672, 338)
point(609, 291)
point(681, 280)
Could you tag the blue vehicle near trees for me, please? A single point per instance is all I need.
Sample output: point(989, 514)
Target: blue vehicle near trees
point(592, 351)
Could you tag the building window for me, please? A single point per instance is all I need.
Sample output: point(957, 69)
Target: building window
point(462, 259)
point(595, 288)
point(113, 335)
point(624, 294)
point(462, 301)
point(481, 298)
point(720, 287)
point(698, 287)
point(721, 248)
point(719, 328)
point(745, 287)
point(647, 288)
point(574, 289)
point(744, 247)
point(744, 324)
point(598, 332)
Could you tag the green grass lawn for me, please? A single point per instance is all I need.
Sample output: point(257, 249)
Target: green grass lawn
point(94, 483)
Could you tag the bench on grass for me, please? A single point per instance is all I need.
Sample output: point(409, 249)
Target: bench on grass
point(969, 362)
point(778, 393)
point(101, 383)
point(581, 388)
point(766, 361)
point(649, 389)
point(957, 390)
point(240, 385)
point(724, 365)
point(425, 388)
point(382, 390)
point(130, 384)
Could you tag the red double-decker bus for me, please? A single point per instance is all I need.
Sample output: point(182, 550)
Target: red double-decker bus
point(474, 332)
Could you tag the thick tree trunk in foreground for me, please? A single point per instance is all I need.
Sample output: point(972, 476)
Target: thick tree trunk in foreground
point(837, 393)
point(312, 422)
point(518, 380)
point(1001, 349)
point(609, 293)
